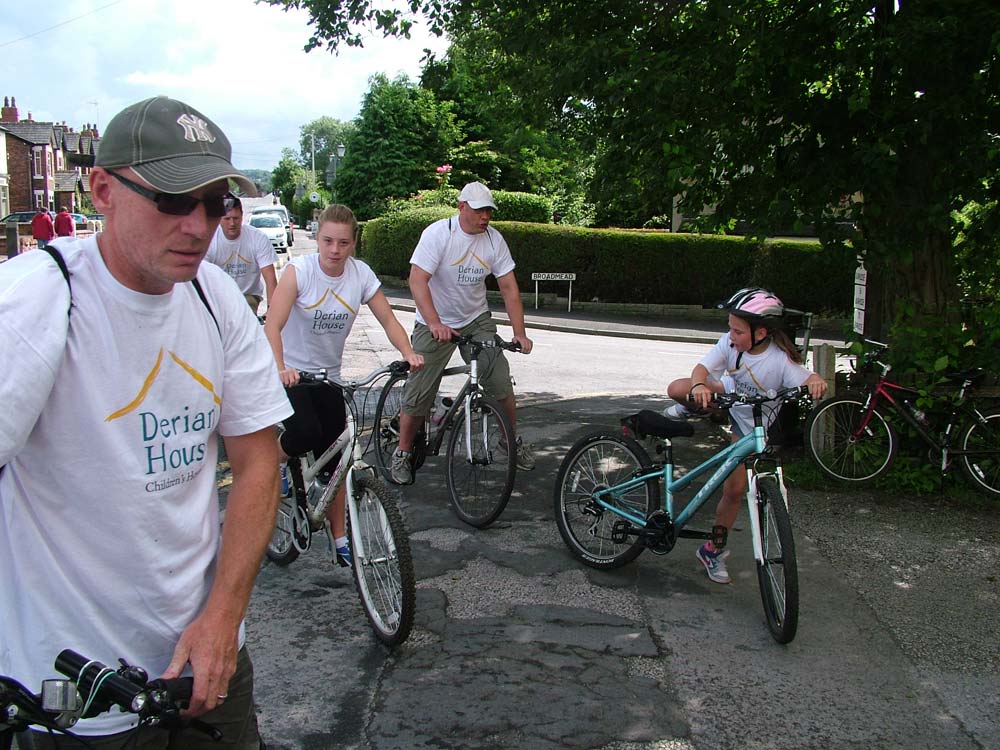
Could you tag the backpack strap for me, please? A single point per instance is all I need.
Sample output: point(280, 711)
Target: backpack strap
point(61, 262)
point(204, 300)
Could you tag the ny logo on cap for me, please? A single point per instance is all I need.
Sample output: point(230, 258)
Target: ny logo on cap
point(195, 129)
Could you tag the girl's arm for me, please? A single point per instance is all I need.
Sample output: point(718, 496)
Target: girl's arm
point(278, 311)
point(382, 311)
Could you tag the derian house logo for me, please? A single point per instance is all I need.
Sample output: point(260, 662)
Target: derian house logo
point(471, 268)
point(333, 321)
point(162, 434)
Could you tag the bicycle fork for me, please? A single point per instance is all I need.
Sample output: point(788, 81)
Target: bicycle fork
point(753, 500)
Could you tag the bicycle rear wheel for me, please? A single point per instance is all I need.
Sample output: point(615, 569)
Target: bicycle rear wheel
point(596, 462)
point(482, 465)
point(386, 429)
point(778, 574)
point(383, 568)
point(982, 468)
point(847, 447)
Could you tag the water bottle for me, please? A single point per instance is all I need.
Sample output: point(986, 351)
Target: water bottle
point(284, 480)
point(441, 406)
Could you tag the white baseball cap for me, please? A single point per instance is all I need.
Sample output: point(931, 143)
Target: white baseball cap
point(477, 195)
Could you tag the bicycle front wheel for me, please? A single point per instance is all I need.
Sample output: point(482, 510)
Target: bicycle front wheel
point(482, 462)
point(386, 430)
point(282, 549)
point(777, 573)
point(595, 535)
point(982, 466)
point(383, 568)
point(847, 443)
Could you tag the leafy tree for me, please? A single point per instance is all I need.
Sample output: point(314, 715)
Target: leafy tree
point(328, 133)
point(882, 113)
point(402, 135)
point(287, 176)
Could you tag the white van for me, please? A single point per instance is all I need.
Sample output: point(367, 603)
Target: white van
point(278, 210)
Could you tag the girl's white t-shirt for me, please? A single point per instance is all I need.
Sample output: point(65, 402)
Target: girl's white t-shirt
point(459, 264)
point(756, 375)
point(324, 313)
point(109, 514)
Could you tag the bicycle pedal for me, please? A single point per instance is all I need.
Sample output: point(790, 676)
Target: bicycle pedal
point(620, 532)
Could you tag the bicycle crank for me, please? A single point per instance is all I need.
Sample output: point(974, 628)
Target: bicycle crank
point(301, 533)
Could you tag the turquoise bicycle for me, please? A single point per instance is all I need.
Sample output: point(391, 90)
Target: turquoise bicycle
point(609, 508)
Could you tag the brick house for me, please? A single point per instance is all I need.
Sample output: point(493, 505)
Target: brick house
point(4, 177)
point(33, 157)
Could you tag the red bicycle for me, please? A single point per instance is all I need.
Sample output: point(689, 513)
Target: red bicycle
point(851, 438)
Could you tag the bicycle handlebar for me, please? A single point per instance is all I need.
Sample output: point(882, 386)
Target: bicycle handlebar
point(393, 368)
point(496, 343)
point(728, 400)
point(94, 688)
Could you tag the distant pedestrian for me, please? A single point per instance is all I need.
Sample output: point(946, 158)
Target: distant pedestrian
point(42, 228)
point(65, 225)
point(246, 254)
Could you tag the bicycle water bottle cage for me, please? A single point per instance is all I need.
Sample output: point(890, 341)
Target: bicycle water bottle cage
point(720, 535)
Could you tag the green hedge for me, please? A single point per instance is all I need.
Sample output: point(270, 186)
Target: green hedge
point(511, 205)
point(639, 266)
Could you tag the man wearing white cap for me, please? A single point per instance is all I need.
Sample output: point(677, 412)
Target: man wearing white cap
point(127, 357)
point(448, 273)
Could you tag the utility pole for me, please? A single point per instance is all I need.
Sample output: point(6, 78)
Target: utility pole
point(313, 137)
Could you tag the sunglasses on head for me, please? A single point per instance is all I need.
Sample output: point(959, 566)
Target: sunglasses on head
point(181, 204)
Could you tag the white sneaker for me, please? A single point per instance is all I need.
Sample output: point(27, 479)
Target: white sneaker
point(676, 411)
point(401, 469)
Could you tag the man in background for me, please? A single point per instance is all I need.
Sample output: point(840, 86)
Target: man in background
point(246, 254)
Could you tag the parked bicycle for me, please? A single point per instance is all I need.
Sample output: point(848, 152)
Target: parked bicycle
point(609, 508)
point(480, 459)
point(382, 566)
point(92, 689)
point(851, 437)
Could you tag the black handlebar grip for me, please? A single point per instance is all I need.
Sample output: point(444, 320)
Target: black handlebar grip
point(179, 689)
point(399, 367)
point(113, 687)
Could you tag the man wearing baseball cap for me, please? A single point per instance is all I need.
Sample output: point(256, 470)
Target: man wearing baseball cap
point(448, 273)
point(127, 358)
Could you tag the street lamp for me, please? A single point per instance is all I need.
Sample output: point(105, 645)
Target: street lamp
point(313, 137)
point(331, 172)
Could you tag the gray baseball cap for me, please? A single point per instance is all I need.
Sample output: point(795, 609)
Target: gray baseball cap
point(171, 145)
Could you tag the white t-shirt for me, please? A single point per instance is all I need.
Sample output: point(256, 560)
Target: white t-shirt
point(756, 375)
point(324, 313)
point(243, 257)
point(109, 515)
point(459, 264)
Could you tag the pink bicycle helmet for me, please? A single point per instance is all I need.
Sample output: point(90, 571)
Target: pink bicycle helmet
point(755, 302)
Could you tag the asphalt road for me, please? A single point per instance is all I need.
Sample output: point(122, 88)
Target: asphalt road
point(519, 646)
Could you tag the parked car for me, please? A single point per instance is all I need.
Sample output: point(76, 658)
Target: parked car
point(278, 210)
point(272, 226)
point(19, 217)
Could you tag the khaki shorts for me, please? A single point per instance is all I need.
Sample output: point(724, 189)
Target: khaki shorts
point(254, 301)
point(422, 386)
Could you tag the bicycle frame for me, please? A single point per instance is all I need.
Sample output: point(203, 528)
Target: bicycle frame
point(883, 391)
point(351, 459)
point(723, 463)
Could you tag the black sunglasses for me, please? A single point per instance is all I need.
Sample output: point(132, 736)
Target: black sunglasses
point(181, 204)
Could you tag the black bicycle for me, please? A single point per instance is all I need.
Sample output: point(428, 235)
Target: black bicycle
point(480, 454)
point(92, 688)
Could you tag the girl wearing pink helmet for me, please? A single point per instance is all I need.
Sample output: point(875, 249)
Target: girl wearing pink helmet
point(756, 355)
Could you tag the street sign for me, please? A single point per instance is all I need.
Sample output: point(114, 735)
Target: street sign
point(553, 277)
point(314, 197)
point(860, 297)
point(570, 277)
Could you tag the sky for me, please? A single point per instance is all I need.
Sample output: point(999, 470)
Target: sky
point(240, 63)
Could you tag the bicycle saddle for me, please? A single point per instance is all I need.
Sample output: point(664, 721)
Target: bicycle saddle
point(648, 422)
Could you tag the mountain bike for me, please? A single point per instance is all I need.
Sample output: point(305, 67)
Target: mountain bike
point(92, 689)
point(480, 455)
point(380, 548)
point(851, 436)
point(609, 508)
